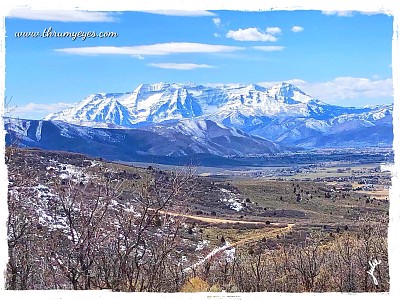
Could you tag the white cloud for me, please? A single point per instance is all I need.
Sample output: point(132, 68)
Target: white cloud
point(222, 85)
point(350, 13)
point(268, 84)
point(370, 13)
point(297, 29)
point(181, 13)
point(217, 35)
point(180, 66)
point(339, 13)
point(155, 49)
point(269, 48)
point(217, 22)
point(62, 15)
point(36, 110)
point(353, 88)
point(273, 30)
point(250, 34)
point(345, 89)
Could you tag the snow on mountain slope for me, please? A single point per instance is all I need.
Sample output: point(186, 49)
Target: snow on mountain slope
point(100, 108)
point(282, 113)
point(155, 103)
point(291, 130)
point(176, 139)
point(206, 136)
point(288, 93)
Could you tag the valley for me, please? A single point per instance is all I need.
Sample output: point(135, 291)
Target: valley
point(192, 221)
point(240, 188)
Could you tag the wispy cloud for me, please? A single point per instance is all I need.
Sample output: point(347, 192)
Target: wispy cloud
point(62, 15)
point(36, 110)
point(339, 13)
point(155, 49)
point(273, 30)
point(217, 22)
point(180, 66)
point(182, 13)
point(250, 34)
point(297, 29)
point(344, 88)
point(349, 13)
point(269, 48)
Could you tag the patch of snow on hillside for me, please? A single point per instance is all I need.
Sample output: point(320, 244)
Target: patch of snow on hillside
point(94, 163)
point(41, 205)
point(39, 131)
point(227, 249)
point(44, 191)
point(74, 173)
point(201, 245)
point(231, 200)
point(230, 254)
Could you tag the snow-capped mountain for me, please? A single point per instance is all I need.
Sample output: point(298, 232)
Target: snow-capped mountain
point(156, 103)
point(147, 104)
point(283, 113)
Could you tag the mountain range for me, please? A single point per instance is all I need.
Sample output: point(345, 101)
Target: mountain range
point(176, 120)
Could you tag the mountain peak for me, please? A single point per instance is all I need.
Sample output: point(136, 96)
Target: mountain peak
point(286, 88)
point(288, 93)
point(155, 87)
point(255, 87)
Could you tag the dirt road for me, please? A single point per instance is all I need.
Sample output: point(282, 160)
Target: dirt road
point(267, 233)
point(216, 220)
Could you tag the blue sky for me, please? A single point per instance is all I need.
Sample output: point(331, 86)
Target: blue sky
point(342, 58)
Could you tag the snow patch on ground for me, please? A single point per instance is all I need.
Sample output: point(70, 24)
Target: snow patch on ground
point(227, 249)
point(41, 206)
point(231, 200)
point(201, 245)
point(74, 173)
point(230, 254)
point(94, 163)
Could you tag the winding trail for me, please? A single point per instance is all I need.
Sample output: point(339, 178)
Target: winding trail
point(267, 234)
point(270, 231)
